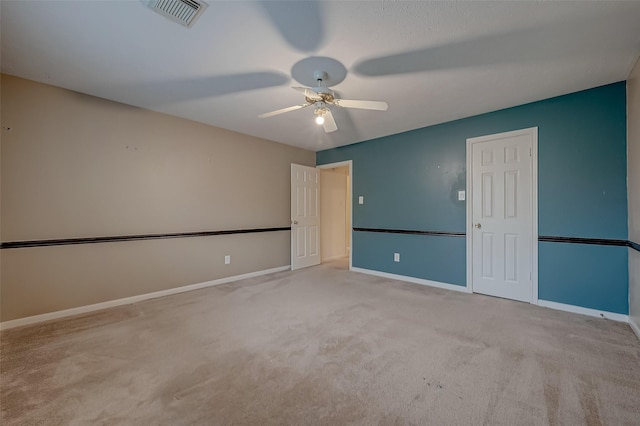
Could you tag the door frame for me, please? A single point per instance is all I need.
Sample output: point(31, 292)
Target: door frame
point(348, 163)
point(532, 132)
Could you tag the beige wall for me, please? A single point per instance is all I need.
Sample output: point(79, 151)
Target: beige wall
point(633, 189)
point(333, 212)
point(79, 166)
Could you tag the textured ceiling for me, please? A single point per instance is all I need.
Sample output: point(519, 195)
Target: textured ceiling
point(430, 61)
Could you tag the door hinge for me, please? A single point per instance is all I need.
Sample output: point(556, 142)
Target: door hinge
point(529, 152)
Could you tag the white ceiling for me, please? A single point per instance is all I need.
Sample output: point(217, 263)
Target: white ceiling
point(431, 61)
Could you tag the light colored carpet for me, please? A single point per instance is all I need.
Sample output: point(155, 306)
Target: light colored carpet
point(322, 346)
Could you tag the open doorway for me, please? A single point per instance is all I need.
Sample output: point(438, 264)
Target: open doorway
point(335, 211)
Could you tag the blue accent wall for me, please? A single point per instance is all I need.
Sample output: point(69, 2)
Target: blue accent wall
point(433, 258)
point(410, 181)
point(585, 275)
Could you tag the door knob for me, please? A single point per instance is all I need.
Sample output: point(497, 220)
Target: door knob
point(295, 222)
point(477, 225)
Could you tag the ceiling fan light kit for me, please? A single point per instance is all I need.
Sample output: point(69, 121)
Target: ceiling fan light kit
point(322, 97)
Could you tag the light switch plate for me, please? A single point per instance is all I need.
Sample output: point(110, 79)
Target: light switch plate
point(396, 257)
point(461, 195)
point(361, 199)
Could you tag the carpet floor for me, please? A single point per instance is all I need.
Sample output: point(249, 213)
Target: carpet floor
point(322, 346)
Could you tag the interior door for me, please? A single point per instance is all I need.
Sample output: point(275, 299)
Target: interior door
point(305, 216)
point(501, 219)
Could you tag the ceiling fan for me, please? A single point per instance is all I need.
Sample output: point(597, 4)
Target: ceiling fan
point(321, 97)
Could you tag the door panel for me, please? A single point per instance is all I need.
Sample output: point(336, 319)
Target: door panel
point(305, 216)
point(501, 235)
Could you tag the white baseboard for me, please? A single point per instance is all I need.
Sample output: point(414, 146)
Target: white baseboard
point(133, 299)
point(421, 281)
point(544, 303)
point(635, 327)
point(584, 311)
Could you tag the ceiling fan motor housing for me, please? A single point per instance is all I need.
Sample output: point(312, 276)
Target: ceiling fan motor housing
point(325, 97)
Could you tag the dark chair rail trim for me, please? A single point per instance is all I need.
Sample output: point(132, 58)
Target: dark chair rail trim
point(412, 232)
point(576, 240)
point(120, 238)
point(543, 238)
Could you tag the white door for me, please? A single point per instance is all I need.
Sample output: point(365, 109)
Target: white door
point(305, 216)
point(501, 220)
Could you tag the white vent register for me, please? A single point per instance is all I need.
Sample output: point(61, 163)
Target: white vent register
point(184, 12)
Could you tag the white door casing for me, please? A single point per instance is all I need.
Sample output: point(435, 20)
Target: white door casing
point(305, 216)
point(502, 215)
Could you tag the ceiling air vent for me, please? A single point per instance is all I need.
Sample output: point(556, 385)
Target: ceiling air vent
point(184, 12)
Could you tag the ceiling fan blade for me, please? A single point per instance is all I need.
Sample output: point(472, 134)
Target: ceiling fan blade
point(350, 103)
point(282, 111)
point(329, 123)
point(307, 92)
